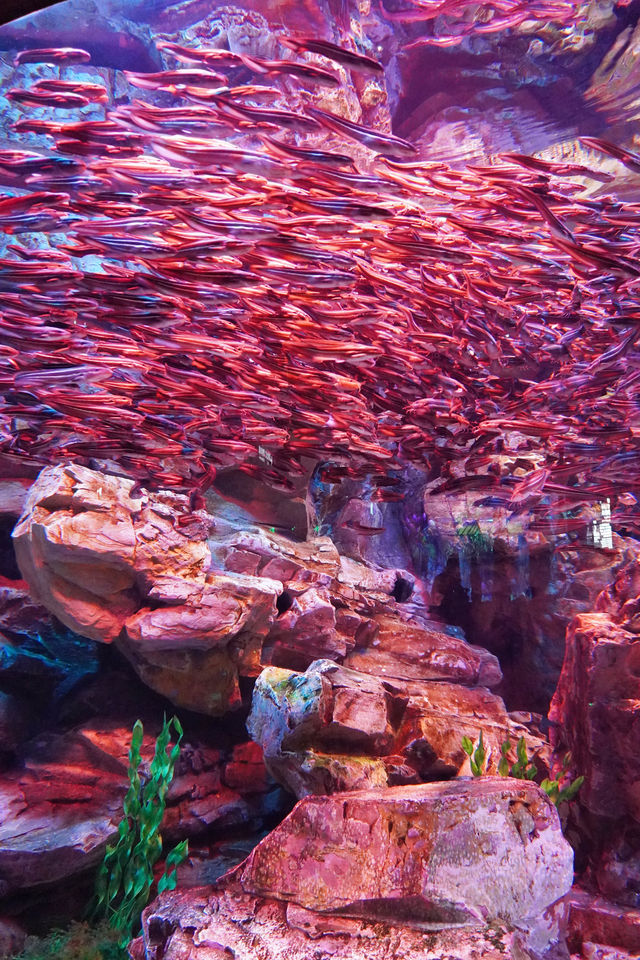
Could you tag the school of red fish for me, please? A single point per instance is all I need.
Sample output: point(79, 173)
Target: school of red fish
point(274, 288)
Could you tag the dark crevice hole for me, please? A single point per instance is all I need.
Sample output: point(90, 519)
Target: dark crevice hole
point(284, 602)
point(402, 590)
point(8, 564)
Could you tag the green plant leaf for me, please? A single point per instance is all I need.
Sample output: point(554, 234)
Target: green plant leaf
point(569, 792)
point(467, 745)
point(178, 855)
point(167, 881)
point(521, 751)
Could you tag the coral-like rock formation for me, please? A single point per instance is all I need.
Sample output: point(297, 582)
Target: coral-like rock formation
point(357, 871)
point(194, 608)
point(333, 728)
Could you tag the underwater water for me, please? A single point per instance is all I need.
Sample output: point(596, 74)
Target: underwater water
point(362, 240)
point(319, 423)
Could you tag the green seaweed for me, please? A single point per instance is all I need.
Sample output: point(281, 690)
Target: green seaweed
point(80, 942)
point(125, 878)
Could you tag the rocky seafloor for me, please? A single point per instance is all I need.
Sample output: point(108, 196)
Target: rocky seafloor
point(322, 782)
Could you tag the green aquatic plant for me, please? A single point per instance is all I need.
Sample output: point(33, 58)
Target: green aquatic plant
point(81, 941)
point(477, 757)
point(523, 769)
point(562, 794)
point(125, 878)
point(475, 541)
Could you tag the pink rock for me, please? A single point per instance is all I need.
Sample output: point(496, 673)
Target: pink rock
point(224, 923)
point(332, 728)
point(454, 852)
point(595, 714)
point(410, 872)
point(408, 651)
point(593, 919)
point(13, 495)
point(64, 803)
point(194, 609)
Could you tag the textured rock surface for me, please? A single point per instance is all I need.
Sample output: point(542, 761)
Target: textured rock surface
point(512, 588)
point(333, 728)
point(137, 570)
point(360, 874)
point(226, 923)
point(592, 920)
point(194, 608)
point(408, 651)
point(595, 713)
point(63, 803)
point(327, 855)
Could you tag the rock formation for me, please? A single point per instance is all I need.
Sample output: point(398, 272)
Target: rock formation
point(333, 728)
point(351, 873)
point(358, 685)
point(64, 802)
point(596, 715)
point(194, 608)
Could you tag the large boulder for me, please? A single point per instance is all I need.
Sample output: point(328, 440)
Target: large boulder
point(438, 853)
point(437, 869)
point(113, 565)
point(332, 728)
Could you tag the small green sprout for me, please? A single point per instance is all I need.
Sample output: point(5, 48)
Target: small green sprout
point(523, 769)
point(562, 794)
point(477, 757)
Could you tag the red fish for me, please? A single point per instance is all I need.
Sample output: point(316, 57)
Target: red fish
point(332, 51)
point(55, 55)
point(382, 142)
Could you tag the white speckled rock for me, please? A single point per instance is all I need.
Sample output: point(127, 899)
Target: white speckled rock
point(466, 870)
point(436, 853)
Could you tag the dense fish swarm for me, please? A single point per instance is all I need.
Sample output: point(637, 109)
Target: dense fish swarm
point(243, 283)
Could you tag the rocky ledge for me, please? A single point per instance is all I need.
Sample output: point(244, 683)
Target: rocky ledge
point(475, 864)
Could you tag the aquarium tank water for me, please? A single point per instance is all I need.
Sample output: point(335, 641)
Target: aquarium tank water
point(319, 479)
